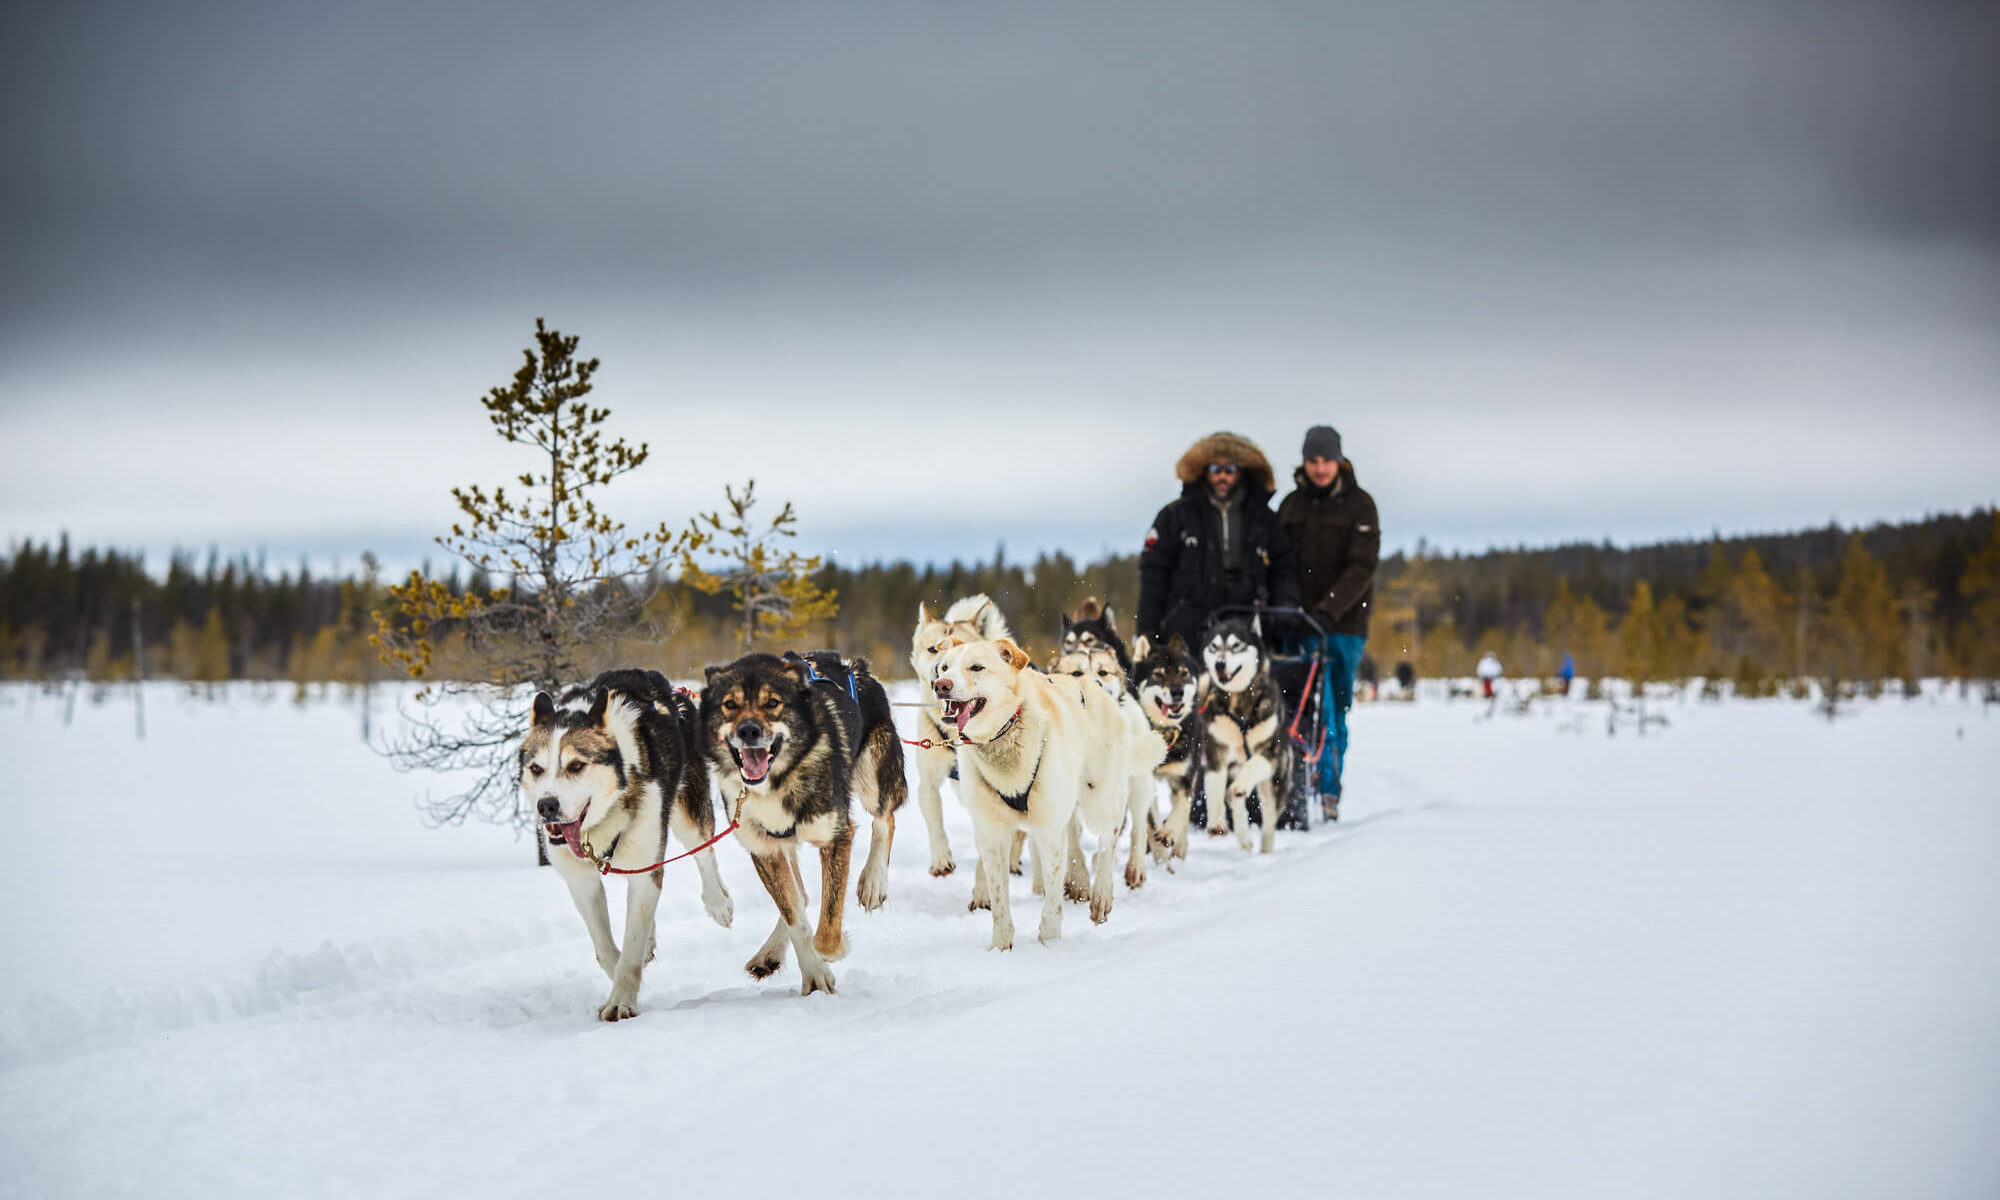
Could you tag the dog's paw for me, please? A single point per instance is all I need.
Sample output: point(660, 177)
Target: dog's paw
point(943, 866)
point(720, 908)
point(617, 1010)
point(1075, 892)
point(1135, 874)
point(1003, 937)
point(764, 965)
point(1051, 931)
point(1016, 869)
point(1249, 847)
point(1100, 907)
point(817, 979)
point(1218, 831)
point(871, 892)
point(1268, 844)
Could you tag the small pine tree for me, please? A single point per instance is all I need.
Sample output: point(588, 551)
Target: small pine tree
point(773, 589)
point(1979, 588)
point(1864, 639)
point(1638, 660)
point(579, 577)
point(1675, 645)
point(211, 649)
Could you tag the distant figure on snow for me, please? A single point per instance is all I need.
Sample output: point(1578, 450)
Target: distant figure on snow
point(1567, 674)
point(1489, 672)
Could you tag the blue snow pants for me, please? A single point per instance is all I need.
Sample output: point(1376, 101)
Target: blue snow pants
point(1341, 658)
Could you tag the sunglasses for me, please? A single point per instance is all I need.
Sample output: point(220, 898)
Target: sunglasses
point(1222, 468)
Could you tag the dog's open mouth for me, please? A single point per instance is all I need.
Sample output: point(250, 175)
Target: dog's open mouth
point(755, 761)
point(1222, 673)
point(959, 712)
point(1172, 712)
point(569, 833)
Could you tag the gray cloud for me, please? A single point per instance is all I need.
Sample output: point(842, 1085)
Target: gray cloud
point(1643, 241)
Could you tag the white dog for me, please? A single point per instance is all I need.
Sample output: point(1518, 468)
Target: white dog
point(1033, 751)
point(972, 619)
point(1100, 666)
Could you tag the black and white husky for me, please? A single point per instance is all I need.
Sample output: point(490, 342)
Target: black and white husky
point(610, 770)
point(1095, 626)
point(1171, 687)
point(1247, 749)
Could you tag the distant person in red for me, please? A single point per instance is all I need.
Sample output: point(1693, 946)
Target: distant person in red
point(1489, 673)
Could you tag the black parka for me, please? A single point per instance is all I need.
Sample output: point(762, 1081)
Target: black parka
point(1338, 538)
point(1182, 578)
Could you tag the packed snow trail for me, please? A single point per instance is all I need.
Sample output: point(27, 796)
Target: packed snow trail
point(1750, 956)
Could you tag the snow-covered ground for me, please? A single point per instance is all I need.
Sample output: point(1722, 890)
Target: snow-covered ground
point(1752, 954)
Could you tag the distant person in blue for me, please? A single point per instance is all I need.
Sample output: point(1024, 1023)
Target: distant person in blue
point(1334, 530)
point(1567, 674)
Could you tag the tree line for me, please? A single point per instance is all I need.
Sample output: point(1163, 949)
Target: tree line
point(1919, 598)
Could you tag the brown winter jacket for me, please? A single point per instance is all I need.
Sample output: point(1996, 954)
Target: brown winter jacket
point(1338, 539)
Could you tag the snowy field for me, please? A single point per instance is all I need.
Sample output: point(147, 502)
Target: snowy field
point(1754, 954)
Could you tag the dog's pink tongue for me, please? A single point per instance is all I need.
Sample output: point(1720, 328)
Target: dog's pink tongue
point(757, 762)
point(964, 715)
point(571, 834)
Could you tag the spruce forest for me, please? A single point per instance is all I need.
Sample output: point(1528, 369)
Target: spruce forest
point(1900, 601)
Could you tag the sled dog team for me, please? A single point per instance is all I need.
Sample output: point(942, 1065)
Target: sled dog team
point(1039, 755)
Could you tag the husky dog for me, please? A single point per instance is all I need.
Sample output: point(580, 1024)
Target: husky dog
point(1247, 749)
point(610, 772)
point(792, 740)
point(1100, 667)
point(974, 618)
point(1093, 627)
point(1033, 750)
point(1172, 689)
point(878, 775)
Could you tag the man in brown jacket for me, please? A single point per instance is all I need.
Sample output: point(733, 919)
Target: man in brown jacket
point(1333, 529)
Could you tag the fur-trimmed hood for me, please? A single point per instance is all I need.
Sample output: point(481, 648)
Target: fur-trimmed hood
point(1228, 447)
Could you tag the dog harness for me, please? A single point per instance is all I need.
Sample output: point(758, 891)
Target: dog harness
point(1019, 802)
point(813, 676)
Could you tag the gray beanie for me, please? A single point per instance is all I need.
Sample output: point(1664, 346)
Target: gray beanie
point(1322, 441)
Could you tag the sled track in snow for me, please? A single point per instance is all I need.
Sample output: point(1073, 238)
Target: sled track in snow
point(44, 1027)
point(405, 974)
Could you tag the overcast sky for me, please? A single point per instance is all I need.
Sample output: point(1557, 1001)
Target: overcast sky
point(951, 275)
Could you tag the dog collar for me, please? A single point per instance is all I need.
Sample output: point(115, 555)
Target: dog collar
point(999, 733)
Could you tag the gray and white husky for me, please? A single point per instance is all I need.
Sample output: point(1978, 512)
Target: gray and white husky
point(610, 771)
point(1247, 749)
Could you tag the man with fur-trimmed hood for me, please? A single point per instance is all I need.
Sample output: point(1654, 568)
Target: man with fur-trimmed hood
point(1218, 545)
